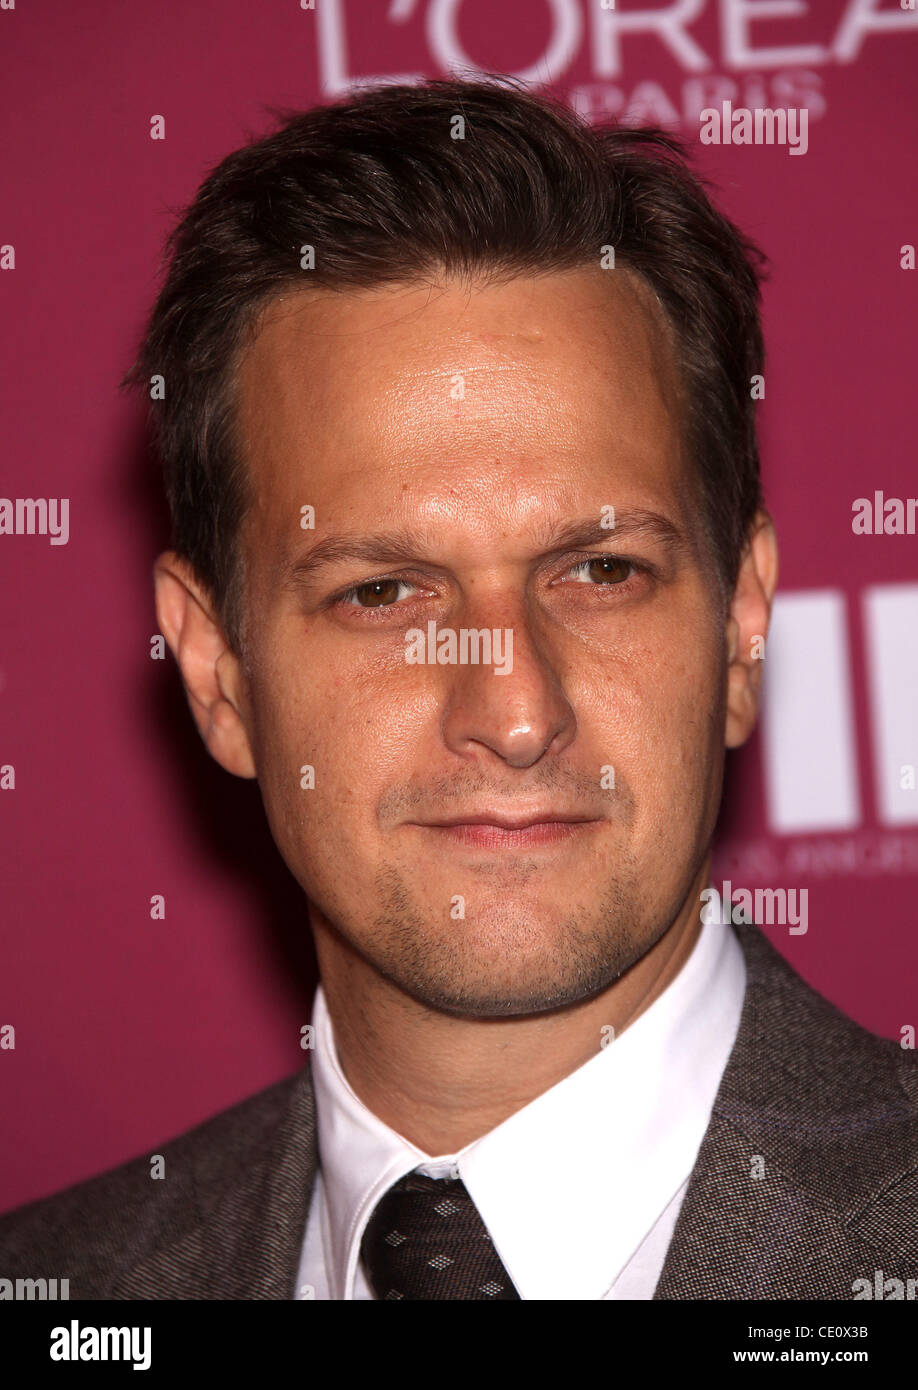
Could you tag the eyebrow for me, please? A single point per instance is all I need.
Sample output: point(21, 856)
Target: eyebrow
point(408, 544)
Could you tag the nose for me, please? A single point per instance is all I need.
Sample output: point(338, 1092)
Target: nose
point(518, 713)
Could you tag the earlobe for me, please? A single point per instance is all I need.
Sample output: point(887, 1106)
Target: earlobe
point(210, 670)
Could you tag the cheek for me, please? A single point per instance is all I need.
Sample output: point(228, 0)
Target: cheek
point(653, 707)
point(355, 729)
point(684, 748)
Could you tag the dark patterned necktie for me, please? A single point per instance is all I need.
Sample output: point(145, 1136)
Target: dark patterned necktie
point(426, 1240)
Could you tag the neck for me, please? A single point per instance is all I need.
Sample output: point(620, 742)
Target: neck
point(442, 1081)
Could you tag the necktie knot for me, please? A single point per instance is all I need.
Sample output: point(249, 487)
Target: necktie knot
point(426, 1240)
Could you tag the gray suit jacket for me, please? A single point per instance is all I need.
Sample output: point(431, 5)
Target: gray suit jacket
point(830, 1110)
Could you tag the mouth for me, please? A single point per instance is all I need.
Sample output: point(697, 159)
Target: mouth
point(489, 830)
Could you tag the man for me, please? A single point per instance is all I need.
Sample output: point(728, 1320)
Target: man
point(471, 570)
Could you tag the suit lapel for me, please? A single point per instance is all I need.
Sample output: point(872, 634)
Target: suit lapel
point(743, 1237)
point(806, 1134)
point(240, 1233)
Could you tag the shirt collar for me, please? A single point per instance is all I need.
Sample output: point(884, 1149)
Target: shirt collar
point(569, 1185)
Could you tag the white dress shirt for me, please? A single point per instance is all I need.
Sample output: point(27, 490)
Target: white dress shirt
point(579, 1190)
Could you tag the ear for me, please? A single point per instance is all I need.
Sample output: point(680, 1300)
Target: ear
point(747, 628)
point(212, 673)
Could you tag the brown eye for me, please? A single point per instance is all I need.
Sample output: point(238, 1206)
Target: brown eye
point(610, 569)
point(378, 592)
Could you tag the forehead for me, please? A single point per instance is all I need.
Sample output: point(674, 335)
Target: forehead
point(540, 374)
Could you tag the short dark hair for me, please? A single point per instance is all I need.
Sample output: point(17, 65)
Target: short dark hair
point(378, 185)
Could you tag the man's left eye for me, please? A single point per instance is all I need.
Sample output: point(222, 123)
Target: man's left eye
point(603, 568)
point(382, 593)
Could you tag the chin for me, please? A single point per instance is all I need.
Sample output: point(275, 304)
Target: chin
point(509, 983)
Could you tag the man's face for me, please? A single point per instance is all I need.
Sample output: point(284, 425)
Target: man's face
point(490, 424)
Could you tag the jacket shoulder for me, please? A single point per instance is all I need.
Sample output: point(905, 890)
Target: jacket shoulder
point(89, 1228)
point(806, 1181)
point(838, 1102)
point(813, 1047)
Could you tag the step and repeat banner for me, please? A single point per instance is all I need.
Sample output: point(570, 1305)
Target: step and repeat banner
point(156, 965)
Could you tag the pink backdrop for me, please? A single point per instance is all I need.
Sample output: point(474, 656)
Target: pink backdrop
point(128, 1030)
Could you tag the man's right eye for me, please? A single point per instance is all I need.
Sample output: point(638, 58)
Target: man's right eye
point(380, 593)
